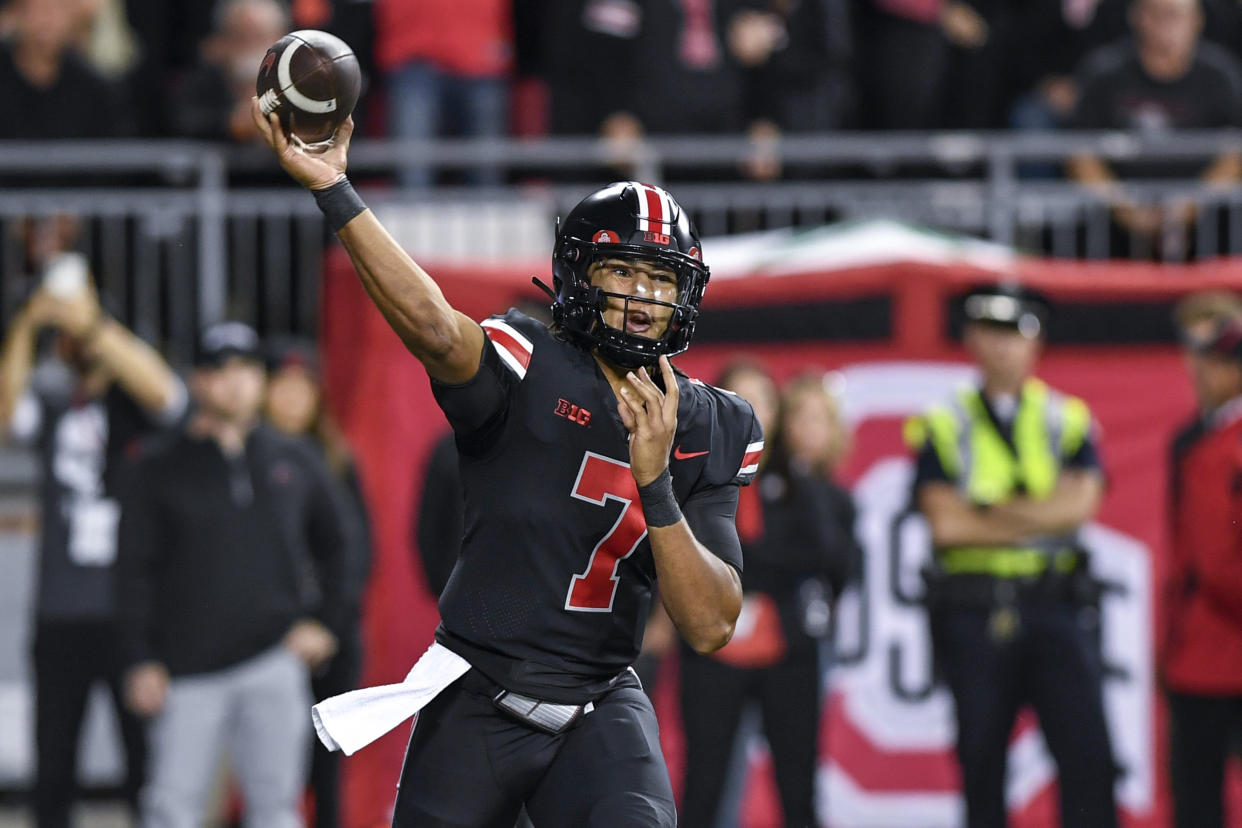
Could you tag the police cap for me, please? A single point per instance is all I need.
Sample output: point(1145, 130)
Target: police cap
point(1008, 305)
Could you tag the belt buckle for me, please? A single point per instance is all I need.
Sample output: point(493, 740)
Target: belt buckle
point(548, 717)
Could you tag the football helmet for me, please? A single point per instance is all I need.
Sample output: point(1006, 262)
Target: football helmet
point(632, 221)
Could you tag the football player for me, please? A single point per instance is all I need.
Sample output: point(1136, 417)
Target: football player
point(592, 471)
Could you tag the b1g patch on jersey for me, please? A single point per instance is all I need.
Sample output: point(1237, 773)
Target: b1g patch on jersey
point(573, 413)
point(514, 348)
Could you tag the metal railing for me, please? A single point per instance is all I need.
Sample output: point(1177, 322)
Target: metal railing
point(183, 233)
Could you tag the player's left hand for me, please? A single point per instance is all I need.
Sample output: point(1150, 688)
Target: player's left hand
point(651, 417)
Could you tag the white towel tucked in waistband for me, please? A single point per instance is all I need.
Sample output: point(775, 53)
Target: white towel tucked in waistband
point(353, 720)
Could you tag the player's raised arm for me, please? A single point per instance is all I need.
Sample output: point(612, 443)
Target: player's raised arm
point(447, 342)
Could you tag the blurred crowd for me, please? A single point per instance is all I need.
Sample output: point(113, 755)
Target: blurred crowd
point(625, 70)
point(628, 68)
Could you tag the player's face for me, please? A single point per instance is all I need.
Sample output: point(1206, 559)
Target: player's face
point(1005, 356)
point(292, 400)
point(641, 280)
point(232, 391)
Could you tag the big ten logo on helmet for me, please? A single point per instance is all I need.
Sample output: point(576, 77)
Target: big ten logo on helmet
point(890, 725)
point(571, 412)
point(656, 238)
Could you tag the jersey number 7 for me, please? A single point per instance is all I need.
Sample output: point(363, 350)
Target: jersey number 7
point(601, 479)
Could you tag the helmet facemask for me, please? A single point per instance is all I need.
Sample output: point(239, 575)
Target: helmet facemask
point(582, 304)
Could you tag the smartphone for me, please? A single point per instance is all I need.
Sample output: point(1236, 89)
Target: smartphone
point(66, 275)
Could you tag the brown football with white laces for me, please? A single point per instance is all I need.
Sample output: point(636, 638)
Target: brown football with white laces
point(311, 80)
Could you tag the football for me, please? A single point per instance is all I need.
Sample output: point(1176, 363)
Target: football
point(311, 80)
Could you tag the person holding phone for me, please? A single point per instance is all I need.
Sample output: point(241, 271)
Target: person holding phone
point(118, 390)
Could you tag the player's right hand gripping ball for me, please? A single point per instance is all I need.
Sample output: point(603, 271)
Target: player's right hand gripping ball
point(311, 80)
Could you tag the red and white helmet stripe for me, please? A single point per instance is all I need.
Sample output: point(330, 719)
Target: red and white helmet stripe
point(654, 208)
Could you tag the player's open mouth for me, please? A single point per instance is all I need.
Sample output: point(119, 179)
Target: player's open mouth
point(638, 321)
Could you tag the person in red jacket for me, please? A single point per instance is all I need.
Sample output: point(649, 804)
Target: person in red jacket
point(445, 62)
point(1201, 650)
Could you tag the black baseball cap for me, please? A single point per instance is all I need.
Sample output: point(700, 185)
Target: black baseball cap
point(223, 340)
point(292, 352)
point(1008, 305)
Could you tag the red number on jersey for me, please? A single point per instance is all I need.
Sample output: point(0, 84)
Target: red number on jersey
point(600, 479)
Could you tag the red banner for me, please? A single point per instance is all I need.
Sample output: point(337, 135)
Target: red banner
point(887, 738)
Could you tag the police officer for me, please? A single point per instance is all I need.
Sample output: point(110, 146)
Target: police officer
point(1007, 472)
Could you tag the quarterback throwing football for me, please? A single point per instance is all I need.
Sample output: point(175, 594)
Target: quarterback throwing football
point(592, 472)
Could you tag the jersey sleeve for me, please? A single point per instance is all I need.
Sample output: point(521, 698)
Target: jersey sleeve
point(733, 460)
point(712, 517)
point(739, 439)
point(477, 409)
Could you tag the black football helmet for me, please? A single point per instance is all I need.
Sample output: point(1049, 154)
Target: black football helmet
point(633, 221)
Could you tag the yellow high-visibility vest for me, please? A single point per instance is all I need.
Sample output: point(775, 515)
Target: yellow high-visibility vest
point(1048, 427)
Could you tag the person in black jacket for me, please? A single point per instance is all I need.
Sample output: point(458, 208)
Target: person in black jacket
point(797, 531)
point(231, 584)
point(295, 406)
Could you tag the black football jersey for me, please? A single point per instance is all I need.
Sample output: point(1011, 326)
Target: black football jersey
point(554, 584)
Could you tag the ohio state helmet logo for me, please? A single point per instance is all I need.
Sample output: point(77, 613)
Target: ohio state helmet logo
point(606, 237)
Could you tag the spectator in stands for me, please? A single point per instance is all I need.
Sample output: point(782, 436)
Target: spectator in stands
point(232, 582)
point(119, 389)
point(47, 90)
point(446, 62)
point(1201, 643)
point(1163, 79)
point(213, 100)
point(603, 61)
point(295, 406)
point(797, 531)
point(907, 44)
point(170, 37)
point(1047, 43)
point(795, 59)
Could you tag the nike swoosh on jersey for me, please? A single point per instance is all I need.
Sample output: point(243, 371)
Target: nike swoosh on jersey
point(678, 454)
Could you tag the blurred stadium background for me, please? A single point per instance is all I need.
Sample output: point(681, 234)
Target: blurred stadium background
point(846, 198)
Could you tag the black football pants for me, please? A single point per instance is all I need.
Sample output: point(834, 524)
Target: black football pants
point(469, 765)
point(69, 658)
point(1052, 663)
point(1201, 729)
